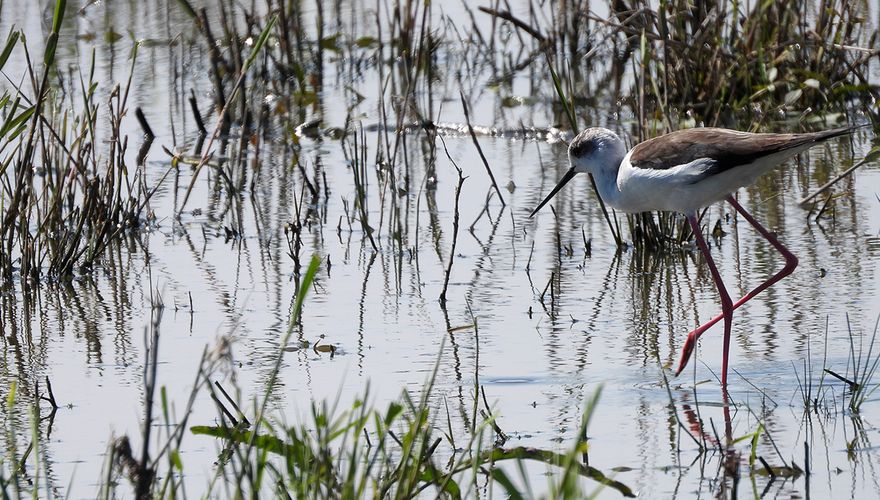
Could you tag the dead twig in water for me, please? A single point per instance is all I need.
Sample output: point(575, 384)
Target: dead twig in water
point(502, 436)
point(467, 117)
point(871, 156)
point(852, 385)
point(507, 16)
point(197, 114)
point(51, 397)
point(232, 402)
point(139, 114)
point(549, 283)
point(455, 218)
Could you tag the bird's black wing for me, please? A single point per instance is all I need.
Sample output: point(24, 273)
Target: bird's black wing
point(722, 149)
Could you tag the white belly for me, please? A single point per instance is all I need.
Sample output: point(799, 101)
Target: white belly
point(684, 188)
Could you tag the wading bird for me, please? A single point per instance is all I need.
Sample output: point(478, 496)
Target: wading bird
point(685, 171)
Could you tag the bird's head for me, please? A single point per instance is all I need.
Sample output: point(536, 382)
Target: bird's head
point(593, 149)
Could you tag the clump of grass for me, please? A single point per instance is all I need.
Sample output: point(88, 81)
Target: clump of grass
point(67, 192)
point(812, 393)
point(860, 381)
point(389, 453)
point(723, 60)
point(864, 367)
point(708, 62)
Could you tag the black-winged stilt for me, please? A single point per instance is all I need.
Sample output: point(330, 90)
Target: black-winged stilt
point(685, 171)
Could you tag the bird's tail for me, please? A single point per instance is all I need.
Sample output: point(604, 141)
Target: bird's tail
point(837, 132)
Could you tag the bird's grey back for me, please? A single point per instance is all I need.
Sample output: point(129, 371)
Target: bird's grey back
point(726, 148)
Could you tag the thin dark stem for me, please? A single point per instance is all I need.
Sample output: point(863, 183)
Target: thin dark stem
point(467, 117)
point(455, 219)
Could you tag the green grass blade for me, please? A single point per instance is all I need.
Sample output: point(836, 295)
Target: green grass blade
point(58, 16)
point(260, 42)
point(569, 110)
point(13, 123)
point(11, 40)
point(52, 42)
point(188, 8)
point(556, 460)
point(304, 288)
point(500, 477)
point(754, 454)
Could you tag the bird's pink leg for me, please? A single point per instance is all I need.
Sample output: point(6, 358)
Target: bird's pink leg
point(791, 263)
point(726, 305)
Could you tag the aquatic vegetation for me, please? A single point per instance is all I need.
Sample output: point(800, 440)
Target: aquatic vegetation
point(404, 144)
point(66, 197)
point(861, 368)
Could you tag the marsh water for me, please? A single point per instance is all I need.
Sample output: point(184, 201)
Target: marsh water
point(612, 318)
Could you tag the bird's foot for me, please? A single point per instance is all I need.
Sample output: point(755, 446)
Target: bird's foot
point(686, 352)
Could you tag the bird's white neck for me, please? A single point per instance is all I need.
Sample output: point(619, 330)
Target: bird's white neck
point(605, 175)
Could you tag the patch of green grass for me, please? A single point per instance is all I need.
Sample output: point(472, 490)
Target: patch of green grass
point(864, 367)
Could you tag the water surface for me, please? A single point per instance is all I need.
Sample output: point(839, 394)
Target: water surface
point(613, 319)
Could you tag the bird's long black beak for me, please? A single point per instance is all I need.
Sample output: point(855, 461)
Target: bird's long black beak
point(562, 182)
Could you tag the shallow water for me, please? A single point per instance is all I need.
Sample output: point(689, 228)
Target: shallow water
point(616, 320)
